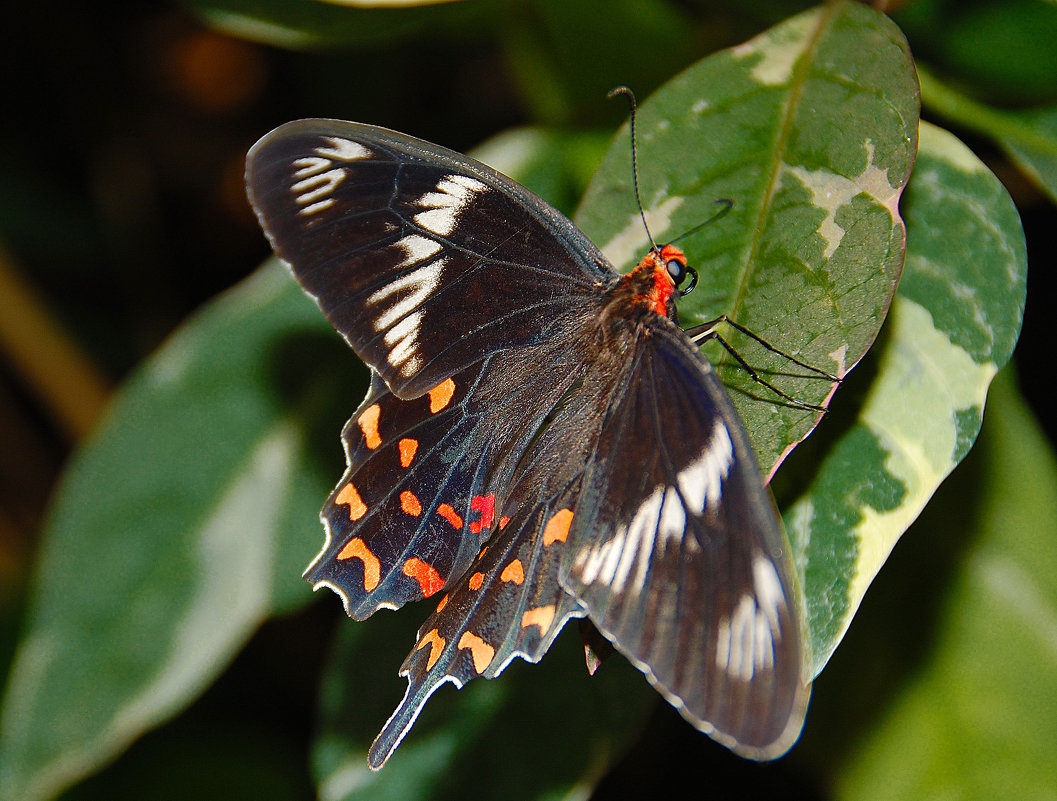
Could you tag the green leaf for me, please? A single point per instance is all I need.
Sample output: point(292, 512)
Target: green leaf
point(1038, 156)
point(559, 79)
point(953, 324)
point(811, 130)
point(976, 719)
point(176, 530)
point(1028, 136)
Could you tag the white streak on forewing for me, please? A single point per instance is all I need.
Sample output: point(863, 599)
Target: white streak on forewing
point(343, 149)
point(769, 598)
point(455, 193)
point(310, 165)
point(419, 284)
point(317, 186)
point(416, 248)
point(402, 338)
point(323, 204)
point(763, 647)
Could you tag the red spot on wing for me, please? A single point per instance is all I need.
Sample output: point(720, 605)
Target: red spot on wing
point(541, 616)
point(372, 568)
point(485, 504)
point(436, 646)
point(441, 395)
point(349, 495)
point(448, 513)
point(368, 422)
point(514, 572)
point(557, 528)
point(481, 651)
point(410, 504)
point(408, 447)
point(425, 574)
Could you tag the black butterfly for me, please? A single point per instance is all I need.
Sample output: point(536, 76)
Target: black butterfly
point(541, 441)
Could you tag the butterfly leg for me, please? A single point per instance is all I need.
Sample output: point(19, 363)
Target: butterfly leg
point(709, 330)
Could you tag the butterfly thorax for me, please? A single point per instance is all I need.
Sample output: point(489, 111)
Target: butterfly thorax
point(650, 287)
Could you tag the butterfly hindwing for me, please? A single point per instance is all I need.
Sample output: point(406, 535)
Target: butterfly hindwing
point(428, 476)
point(679, 555)
point(416, 254)
point(406, 517)
point(508, 604)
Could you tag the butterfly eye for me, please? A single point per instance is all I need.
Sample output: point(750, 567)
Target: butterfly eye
point(679, 271)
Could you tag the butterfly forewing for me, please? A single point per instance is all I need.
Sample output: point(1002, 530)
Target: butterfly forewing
point(679, 556)
point(425, 261)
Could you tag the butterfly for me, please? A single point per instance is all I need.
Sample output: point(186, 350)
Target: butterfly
point(541, 441)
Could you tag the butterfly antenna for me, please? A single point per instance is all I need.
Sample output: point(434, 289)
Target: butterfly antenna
point(623, 90)
point(724, 204)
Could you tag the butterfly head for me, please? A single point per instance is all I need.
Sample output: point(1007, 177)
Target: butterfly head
point(662, 274)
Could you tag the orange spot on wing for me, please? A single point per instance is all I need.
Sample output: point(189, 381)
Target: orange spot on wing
point(441, 395)
point(443, 603)
point(436, 646)
point(425, 574)
point(514, 572)
point(485, 504)
point(557, 529)
point(408, 448)
point(368, 422)
point(503, 521)
point(481, 651)
point(409, 503)
point(372, 568)
point(540, 616)
point(349, 495)
point(476, 580)
point(449, 514)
